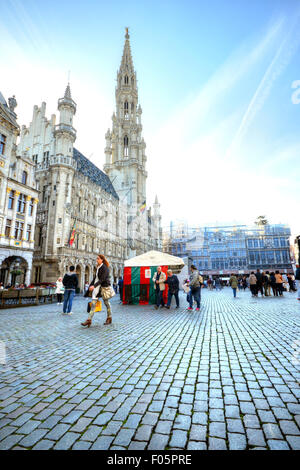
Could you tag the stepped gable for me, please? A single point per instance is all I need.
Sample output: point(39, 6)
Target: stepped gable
point(87, 168)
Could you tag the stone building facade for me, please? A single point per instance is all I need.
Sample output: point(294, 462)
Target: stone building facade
point(76, 197)
point(18, 201)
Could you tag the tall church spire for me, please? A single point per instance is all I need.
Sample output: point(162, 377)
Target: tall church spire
point(125, 147)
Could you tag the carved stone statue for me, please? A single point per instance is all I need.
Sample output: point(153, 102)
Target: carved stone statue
point(12, 103)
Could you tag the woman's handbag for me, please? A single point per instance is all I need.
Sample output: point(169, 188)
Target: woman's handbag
point(98, 306)
point(107, 292)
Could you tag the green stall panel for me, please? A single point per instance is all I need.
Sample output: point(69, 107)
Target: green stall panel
point(152, 295)
point(135, 284)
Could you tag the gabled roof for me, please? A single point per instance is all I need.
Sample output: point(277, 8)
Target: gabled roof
point(87, 168)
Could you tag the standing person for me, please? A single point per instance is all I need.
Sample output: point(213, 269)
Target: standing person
point(115, 286)
point(259, 282)
point(284, 282)
point(279, 282)
point(195, 288)
point(101, 279)
point(252, 283)
point(59, 290)
point(187, 289)
point(218, 283)
point(70, 282)
point(120, 284)
point(265, 281)
point(273, 283)
point(173, 284)
point(244, 283)
point(268, 284)
point(209, 283)
point(233, 282)
point(291, 282)
point(159, 280)
point(86, 287)
point(297, 280)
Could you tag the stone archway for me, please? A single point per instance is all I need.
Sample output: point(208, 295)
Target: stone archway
point(87, 275)
point(14, 270)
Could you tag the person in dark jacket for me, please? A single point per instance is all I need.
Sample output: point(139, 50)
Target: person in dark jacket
point(259, 282)
point(273, 283)
point(173, 284)
point(297, 279)
point(101, 279)
point(120, 284)
point(70, 282)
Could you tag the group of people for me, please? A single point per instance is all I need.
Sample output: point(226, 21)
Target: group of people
point(67, 286)
point(263, 282)
point(191, 286)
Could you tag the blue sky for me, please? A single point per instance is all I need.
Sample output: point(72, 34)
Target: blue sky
point(215, 84)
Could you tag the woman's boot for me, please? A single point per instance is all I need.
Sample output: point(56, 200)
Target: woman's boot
point(108, 321)
point(87, 322)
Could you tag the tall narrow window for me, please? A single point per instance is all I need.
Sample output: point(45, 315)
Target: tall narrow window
point(8, 227)
point(126, 146)
point(24, 177)
point(126, 109)
point(21, 203)
point(19, 230)
point(2, 143)
point(30, 210)
point(28, 232)
point(126, 80)
point(44, 194)
point(11, 198)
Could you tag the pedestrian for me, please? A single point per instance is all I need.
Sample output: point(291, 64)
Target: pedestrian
point(291, 281)
point(218, 284)
point(233, 282)
point(120, 284)
point(285, 282)
point(279, 282)
point(59, 290)
point(187, 289)
point(173, 284)
point(259, 282)
point(159, 280)
point(209, 283)
point(86, 287)
point(70, 282)
point(297, 281)
point(244, 283)
point(267, 284)
point(273, 283)
point(252, 284)
point(98, 287)
point(195, 287)
point(115, 286)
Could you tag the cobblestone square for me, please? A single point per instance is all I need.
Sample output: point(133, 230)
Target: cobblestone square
point(226, 377)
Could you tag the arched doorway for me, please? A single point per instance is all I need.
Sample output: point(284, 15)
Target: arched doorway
point(13, 271)
point(87, 275)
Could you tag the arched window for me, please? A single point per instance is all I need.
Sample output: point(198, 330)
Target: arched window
point(126, 146)
point(126, 80)
point(24, 177)
point(126, 109)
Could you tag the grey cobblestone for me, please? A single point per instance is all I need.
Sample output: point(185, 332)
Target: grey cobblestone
point(137, 386)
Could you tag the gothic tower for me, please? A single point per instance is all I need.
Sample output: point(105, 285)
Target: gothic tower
point(125, 147)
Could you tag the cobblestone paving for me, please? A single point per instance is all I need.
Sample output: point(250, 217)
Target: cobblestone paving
point(224, 378)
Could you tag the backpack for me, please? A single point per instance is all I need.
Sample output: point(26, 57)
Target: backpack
point(200, 279)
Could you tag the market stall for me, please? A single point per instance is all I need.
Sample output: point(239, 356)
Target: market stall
point(139, 271)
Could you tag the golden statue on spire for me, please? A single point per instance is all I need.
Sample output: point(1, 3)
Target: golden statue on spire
point(127, 34)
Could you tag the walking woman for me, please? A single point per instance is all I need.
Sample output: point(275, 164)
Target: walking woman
point(59, 290)
point(279, 283)
point(101, 279)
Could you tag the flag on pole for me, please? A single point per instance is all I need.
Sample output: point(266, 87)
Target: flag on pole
point(72, 237)
point(143, 207)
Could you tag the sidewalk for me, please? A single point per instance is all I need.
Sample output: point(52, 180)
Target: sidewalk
point(226, 377)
